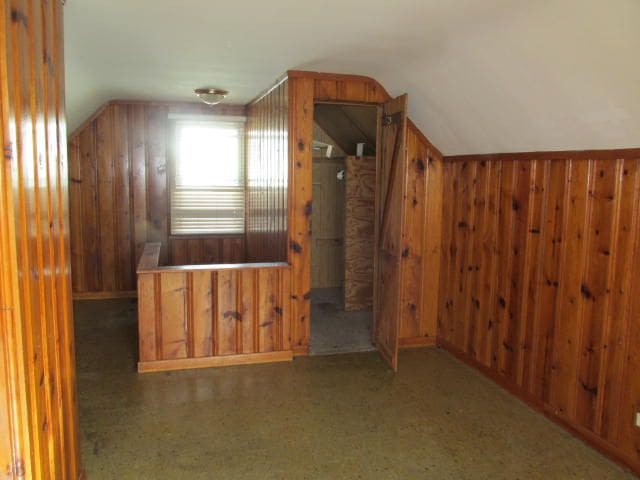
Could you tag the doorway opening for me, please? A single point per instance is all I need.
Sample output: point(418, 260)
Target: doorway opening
point(343, 227)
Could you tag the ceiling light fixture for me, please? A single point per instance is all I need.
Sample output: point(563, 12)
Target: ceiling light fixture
point(211, 96)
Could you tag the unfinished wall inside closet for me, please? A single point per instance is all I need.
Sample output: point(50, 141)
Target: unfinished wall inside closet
point(360, 192)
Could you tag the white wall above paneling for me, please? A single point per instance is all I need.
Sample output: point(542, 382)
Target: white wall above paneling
point(482, 75)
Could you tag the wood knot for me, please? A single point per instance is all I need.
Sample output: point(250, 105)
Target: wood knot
point(295, 246)
point(308, 208)
point(586, 293)
point(232, 314)
point(18, 16)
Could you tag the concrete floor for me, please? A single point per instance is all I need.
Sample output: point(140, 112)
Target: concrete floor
point(330, 417)
point(335, 331)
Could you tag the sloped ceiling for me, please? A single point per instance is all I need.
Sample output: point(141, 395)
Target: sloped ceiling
point(348, 125)
point(482, 75)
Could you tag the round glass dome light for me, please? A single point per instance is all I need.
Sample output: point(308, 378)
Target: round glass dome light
point(211, 96)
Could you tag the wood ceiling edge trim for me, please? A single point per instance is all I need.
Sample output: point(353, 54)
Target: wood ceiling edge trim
point(279, 81)
point(594, 154)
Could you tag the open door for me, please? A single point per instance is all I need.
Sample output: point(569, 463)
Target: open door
point(390, 181)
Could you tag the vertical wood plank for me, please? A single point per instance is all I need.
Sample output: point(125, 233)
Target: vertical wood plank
point(228, 315)
point(138, 155)
point(248, 310)
point(618, 338)
point(156, 177)
point(173, 315)
point(572, 296)
point(267, 318)
point(147, 318)
point(75, 201)
point(92, 262)
point(106, 194)
point(202, 313)
point(125, 278)
point(596, 288)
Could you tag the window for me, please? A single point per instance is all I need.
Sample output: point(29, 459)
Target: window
point(208, 182)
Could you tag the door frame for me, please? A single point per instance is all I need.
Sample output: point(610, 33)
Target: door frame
point(305, 90)
point(379, 111)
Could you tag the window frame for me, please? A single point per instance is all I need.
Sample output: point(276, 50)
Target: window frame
point(173, 123)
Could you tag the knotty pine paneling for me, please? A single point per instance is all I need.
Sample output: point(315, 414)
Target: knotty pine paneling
point(537, 288)
point(192, 317)
point(119, 197)
point(268, 175)
point(206, 250)
point(421, 240)
point(422, 244)
point(38, 419)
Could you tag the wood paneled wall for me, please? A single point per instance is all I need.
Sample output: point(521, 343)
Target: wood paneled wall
point(268, 175)
point(538, 287)
point(421, 240)
point(38, 420)
point(206, 250)
point(305, 88)
point(190, 317)
point(359, 236)
point(119, 197)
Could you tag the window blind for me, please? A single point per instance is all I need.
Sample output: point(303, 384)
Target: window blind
point(208, 185)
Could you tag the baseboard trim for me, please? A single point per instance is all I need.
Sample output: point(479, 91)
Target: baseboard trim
point(104, 295)
point(417, 342)
point(301, 351)
point(209, 362)
point(547, 410)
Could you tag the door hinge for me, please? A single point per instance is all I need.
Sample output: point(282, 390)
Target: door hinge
point(391, 119)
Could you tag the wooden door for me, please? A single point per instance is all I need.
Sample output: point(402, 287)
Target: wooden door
point(327, 224)
point(390, 183)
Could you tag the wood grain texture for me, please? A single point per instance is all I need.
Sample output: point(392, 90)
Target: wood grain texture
point(536, 283)
point(360, 193)
point(305, 88)
point(38, 419)
point(267, 175)
point(190, 317)
point(390, 228)
point(421, 241)
point(328, 224)
point(119, 201)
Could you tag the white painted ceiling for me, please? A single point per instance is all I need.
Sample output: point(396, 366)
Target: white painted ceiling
point(482, 75)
